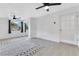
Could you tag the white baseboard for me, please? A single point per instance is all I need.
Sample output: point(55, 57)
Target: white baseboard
point(50, 39)
point(54, 38)
point(48, 36)
point(68, 41)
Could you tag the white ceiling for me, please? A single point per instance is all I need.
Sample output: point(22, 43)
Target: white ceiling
point(27, 10)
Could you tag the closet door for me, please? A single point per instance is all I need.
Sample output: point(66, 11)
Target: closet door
point(68, 28)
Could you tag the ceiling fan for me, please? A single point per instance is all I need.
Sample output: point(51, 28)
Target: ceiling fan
point(46, 5)
point(14, 17)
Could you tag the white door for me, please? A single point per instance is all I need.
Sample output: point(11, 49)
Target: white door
point(68, 29)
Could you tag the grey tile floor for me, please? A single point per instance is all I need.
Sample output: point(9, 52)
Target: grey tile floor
point(36, 47)
point(18, 47)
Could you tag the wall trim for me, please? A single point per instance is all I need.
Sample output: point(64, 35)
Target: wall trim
point(48, 36)
point(69, 42)
point(44, 39)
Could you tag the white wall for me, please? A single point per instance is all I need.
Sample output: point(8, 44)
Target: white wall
point(33, 27)
point(48, 30)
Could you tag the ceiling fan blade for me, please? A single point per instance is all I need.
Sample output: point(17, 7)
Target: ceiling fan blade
point(54, 4)
point(40, 7)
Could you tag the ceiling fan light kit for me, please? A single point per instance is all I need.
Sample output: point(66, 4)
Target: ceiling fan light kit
point(47, 8)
